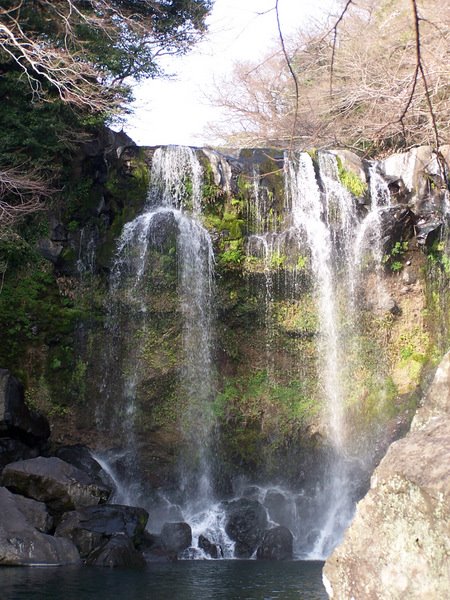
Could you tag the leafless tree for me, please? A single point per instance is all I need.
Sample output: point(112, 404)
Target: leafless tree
point(388, 65)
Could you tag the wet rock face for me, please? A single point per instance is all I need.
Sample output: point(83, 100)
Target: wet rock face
point(278, 506)
point(61, 486)
point(276, 545)
point(91, 527)
point(118, 551)
point(164, 230)
point(211, 549)
point(176, 537)
point(22, 538)
point(80, 457)
point(398, 545)
point(245, 524)
point(17, 421)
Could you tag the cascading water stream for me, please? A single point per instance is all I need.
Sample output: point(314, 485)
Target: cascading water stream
point(327, 220)
point(340, 218)
point(307, 215)
point(174, 203)
point(367, 244)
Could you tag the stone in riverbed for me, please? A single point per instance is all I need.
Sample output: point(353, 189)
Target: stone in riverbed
point(176, 537)
point(89, 528)
point(61, 486)
point(276, 544)
point(246, 522)
point(21, 542)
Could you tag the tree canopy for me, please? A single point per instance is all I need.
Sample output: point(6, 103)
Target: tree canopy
point(65, 65)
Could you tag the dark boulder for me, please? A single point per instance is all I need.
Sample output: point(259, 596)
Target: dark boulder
point(12, 450)
point(276, 544)
point(89, 528)
point(22, 541)
point(80, 457)
point(208, 547)
point(246, 522)
point(61, 486)
point(116, 552)
point(16, 419)
point(176, 537)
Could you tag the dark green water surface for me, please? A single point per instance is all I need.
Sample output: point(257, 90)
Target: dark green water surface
point(185, 580)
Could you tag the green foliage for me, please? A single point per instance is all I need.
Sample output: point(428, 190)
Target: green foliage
point(277, 260)
point(211, 192)
point(299, 318)
point(247, 398)
point(395, 258)
point(34, 314)
point(396, 265)
point(354, 184)
point(399, 248)
point(38, 135)
point(437, 256)
point(302, 263)
point(231, 257)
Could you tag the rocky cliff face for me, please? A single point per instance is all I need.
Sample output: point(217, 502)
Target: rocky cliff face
point(398, 545)
point(268, 402)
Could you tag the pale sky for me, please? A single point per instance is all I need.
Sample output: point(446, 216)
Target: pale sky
point(175, 111)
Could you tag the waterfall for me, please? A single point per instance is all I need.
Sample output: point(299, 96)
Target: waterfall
point(173, 209)
point(323, 227)
point(367, 247)
point(327, 221)
point(86, 254)
point(307, 214)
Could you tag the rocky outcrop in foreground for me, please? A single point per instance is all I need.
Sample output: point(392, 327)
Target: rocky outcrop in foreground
point(398, 545)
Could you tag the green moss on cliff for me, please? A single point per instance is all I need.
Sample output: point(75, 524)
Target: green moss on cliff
point(258, 416)
point(350, 180)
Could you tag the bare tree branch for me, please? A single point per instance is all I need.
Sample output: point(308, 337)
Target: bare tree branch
point(20, 194)
point(291, 70)
point(420, 67)
point(334, 30)
point(377, 76)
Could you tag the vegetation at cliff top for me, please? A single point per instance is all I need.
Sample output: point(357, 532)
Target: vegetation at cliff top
point(381, 90)
point(65, 68)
